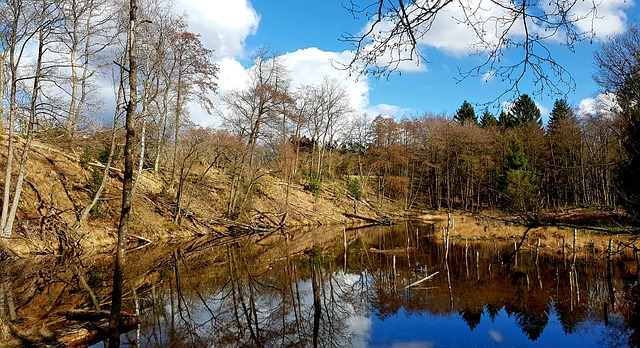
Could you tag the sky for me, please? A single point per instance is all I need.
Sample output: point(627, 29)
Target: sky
point(306, 35)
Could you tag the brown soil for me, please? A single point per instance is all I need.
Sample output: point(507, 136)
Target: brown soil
point(57, 187)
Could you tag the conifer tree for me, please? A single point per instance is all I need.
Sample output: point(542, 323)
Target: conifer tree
point(561, 111)
point(519, 184)
point(487, 119)
point(505, 120)
point(466, 115)
point(627, 175)
point(525, 110)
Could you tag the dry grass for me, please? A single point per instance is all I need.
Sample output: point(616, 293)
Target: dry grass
point(552, 239)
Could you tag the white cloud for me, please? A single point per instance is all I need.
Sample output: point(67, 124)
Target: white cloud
point(224, 25)
point(396, 54)
point(544, 111)
point(496, 336)
point(307, 66)
point(605, 104)
point(232, 75)
point(587, 106)
point(310, 65)
point(488, 76)
point(451, 36)
point(451, 33)
point(608, 19)
point(386, 110)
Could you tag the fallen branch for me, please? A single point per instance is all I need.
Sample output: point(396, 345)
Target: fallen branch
point(96, 332)
point(142, 242)
point(368, 219)
point(422, 280)
point(391, 251)
point(85, 314)
point(238, 225)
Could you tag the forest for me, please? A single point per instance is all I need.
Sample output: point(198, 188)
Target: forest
point(59, 60)
point(111, 85)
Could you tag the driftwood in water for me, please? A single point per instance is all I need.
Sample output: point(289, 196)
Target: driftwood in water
point(85, 314)
point(421, 280)
point(391, 251)
point(96, 327)
point(385, 222)
point(241, 226)
point(359, 227)
point(142, 242)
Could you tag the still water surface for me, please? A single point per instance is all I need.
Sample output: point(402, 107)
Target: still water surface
point(306, 290)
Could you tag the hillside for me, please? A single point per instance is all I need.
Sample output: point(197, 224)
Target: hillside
point(60, 180)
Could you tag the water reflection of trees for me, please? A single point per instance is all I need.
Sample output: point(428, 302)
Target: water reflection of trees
point(296, 303)
point(244, 294)
point(527, 290)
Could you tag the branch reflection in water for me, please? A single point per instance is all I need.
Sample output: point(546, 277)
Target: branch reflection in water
point(305, 289)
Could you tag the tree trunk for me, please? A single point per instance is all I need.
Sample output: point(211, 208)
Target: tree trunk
point(105, 173)
point(127, 188)
point(4, 230)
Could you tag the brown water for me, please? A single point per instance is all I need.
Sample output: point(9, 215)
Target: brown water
point(306, 289)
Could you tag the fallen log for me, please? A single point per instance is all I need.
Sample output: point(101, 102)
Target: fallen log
point(92, 334)
point(367, 219)
point(85, 314)
point(391, 251)
point(95, 329)
point(421, 280)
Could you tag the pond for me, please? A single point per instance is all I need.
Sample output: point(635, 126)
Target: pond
point(392, 286)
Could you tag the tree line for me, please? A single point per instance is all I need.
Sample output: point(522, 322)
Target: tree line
point(59, 56)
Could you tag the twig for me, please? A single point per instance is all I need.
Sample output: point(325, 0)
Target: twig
point(422, 280)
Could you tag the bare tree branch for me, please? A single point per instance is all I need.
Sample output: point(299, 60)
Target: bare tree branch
point(398, 31)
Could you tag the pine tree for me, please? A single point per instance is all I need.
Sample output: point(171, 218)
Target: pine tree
point(519, 185)
point(505, 120)
point(525, 110)
point(627, 175)
point(487, 119)
point(561, 111)
point(466, 115)
point(563, 141)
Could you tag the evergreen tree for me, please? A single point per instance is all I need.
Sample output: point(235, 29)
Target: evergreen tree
point(487, 119)
point(519, 185)
point(627, 175)
point(505, 120)
point(524, 110)
point(561, 111)
point(516, 159)
point(466, 115)
point(564, 146)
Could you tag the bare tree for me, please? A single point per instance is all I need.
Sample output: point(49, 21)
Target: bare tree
point(397, 28)
point(255, 108)
point(127, 185)
point(324, 108)
point(88, 30)
point(165, 26)
point(253, 113)
point(25, 23)
point(195, 80)
point(112, 149)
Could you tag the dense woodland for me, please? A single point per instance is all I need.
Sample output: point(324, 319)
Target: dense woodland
point(67, 66)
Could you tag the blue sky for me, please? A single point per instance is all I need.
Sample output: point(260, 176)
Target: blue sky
point(306, 34)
